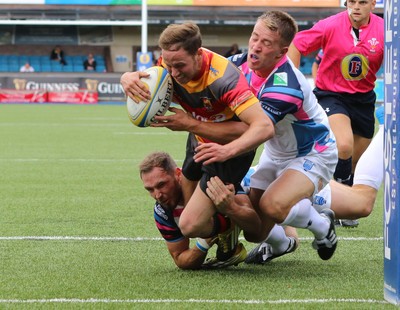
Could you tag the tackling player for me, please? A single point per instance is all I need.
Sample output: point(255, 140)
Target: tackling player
point(162, 179)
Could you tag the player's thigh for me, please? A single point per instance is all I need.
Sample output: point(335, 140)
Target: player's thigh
point(198, 211)
point(288, 189)
point(341, 127)
point(188, 188)
point(352, 202)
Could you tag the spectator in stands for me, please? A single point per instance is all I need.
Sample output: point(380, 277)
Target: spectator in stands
point(233, 50)
point(58, 54)
point(90, 63)
point(27, 68)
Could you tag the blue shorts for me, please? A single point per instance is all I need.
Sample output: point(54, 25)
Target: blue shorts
point(359, 107)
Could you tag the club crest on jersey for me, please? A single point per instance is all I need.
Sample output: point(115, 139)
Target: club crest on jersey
point(307, 165)
point(374, 43)
point(207, 104)
point(280, 79)
point(354, 67)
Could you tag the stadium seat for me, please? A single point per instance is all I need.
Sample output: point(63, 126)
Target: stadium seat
point(13, 58)
point(13, 67)
point(44, 58)
point(34, 58)
point(4, 59)
point(77, 60)
point(46, 67)
point(23, 59)
point(68, 59)
point(101, 68)
point(13, 61)
point(78, 68)
point(37, 67)
point(99, 60)
point(3, 67)
point(68, 68)
point(56, 66)
point(306, 65)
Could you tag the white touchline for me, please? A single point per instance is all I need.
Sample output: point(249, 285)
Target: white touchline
point(210, 301)
point(93, 238)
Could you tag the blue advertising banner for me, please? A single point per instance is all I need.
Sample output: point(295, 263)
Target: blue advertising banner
point(391, 234)
point(144, 60)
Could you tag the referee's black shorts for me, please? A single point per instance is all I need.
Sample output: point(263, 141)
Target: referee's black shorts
point(231, 171)
point(359, 107)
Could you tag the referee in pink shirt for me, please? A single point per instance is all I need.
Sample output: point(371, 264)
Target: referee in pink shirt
point(353, 45)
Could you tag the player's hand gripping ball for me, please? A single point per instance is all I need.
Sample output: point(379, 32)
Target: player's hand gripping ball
point(160, 86)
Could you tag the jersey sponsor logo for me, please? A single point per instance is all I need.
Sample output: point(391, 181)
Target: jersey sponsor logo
point(241, 98)
point(270, 109)
point(213, 70)
point(280, 79)
point(160, 212)
point(213, 118)
point(354, 67)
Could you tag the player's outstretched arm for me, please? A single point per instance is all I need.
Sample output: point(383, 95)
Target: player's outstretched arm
point(184, 256)
point(261, 129)
point(237, 207)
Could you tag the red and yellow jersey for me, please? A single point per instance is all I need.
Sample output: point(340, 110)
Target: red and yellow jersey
point(220, 93)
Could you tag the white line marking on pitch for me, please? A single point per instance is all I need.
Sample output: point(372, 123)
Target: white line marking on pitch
point(134, 239)
point(88, 160)
point(211, 301)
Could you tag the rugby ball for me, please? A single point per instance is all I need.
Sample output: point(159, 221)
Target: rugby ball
point(161, 89)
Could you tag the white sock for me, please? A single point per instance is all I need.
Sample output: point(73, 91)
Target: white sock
point(323, 199)
point(278, 240)
point(370, 167)
point(303, 215)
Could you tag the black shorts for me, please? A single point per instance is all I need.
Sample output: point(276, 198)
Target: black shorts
point(231, 171)
point(358, 107)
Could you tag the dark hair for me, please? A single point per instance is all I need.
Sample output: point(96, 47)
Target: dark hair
point(176, 36)
point(157, 159)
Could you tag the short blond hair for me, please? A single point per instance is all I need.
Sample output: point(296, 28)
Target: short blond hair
point(282, 23)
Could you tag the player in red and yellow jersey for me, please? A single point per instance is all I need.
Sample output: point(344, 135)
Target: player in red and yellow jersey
point(214, 92)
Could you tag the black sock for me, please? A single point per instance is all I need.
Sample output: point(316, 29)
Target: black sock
point(343, 172)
